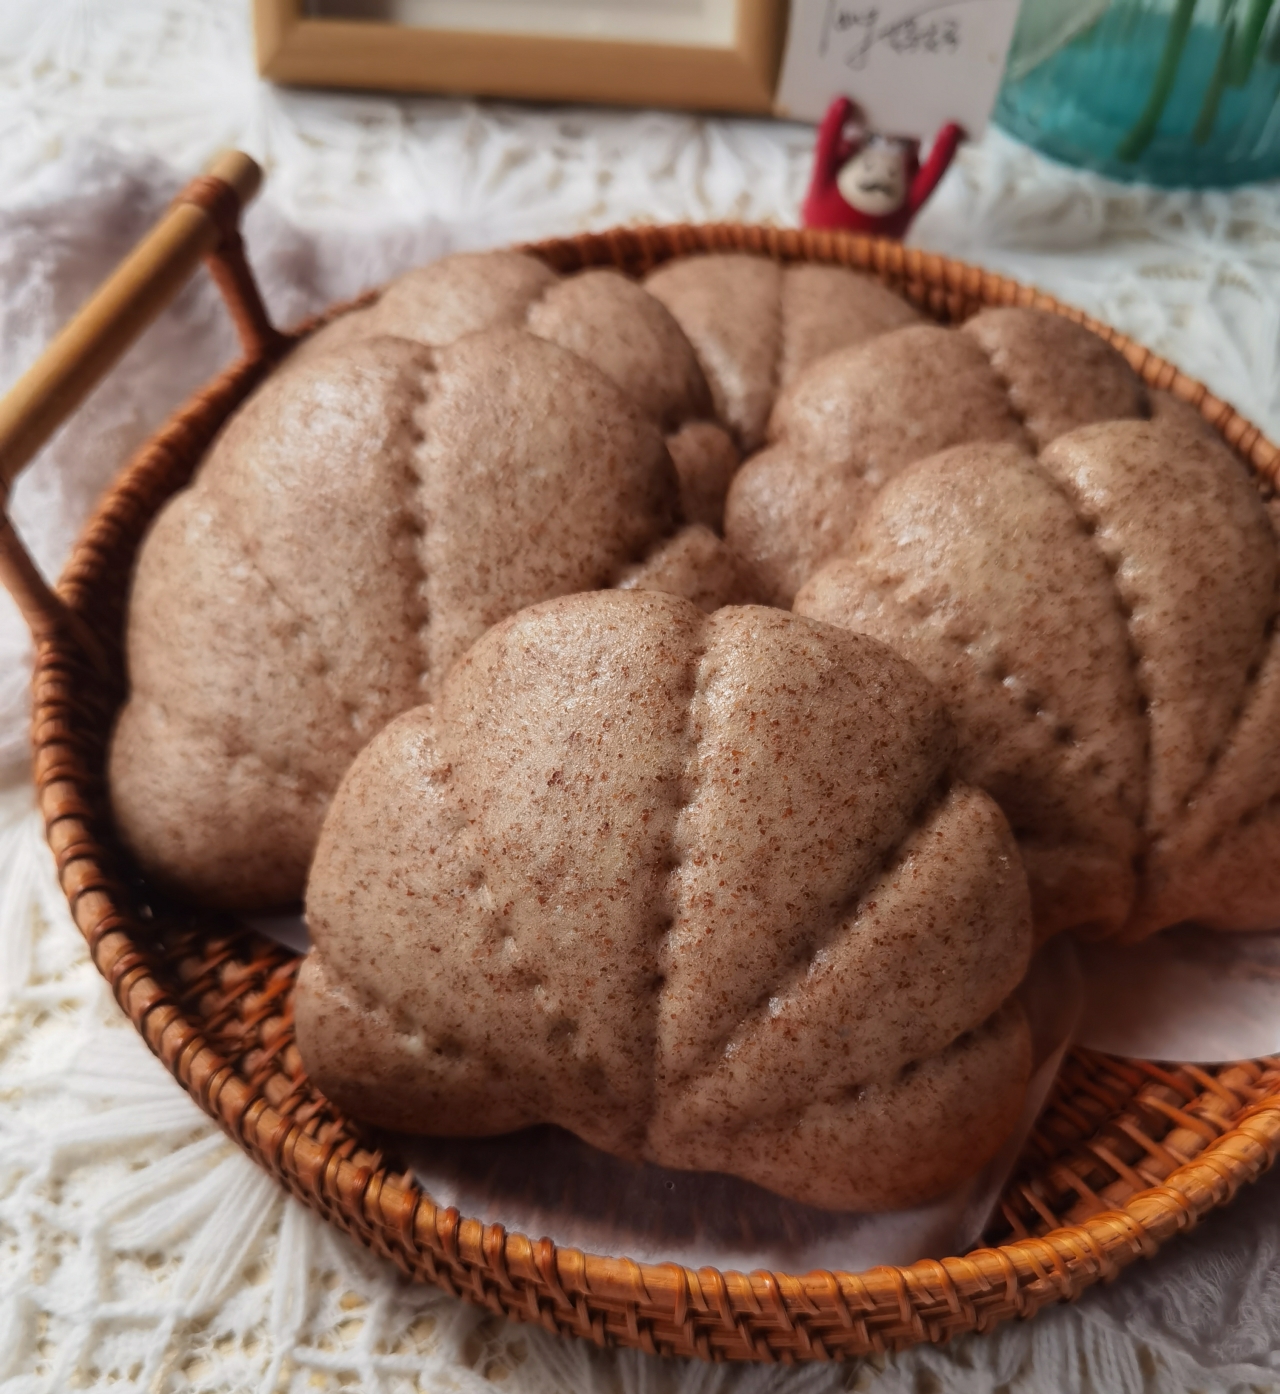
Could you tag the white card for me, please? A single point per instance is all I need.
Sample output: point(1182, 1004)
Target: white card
point(911, 65)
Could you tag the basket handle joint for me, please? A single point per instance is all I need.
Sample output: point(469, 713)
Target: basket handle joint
point(230, 268)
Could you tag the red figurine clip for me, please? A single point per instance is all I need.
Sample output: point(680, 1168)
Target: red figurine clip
point(871, 183)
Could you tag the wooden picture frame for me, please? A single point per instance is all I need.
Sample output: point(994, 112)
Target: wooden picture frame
point(294, 48)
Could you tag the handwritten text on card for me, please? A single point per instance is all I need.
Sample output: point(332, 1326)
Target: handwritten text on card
point(910, 64)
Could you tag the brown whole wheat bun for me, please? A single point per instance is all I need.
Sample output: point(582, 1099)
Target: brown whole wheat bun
point(656, 877)
point(1101, 620)
point(598, 314)
point(358, 524)
point(755, 325)
point(847, 424)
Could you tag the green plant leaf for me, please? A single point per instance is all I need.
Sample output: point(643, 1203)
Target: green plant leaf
point(1144, 128)
point(1217, 85)
point(1246, 47)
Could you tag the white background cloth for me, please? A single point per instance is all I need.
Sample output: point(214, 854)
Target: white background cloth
point(138, 1248)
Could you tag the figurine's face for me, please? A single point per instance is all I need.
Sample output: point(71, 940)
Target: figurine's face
point(874, 181)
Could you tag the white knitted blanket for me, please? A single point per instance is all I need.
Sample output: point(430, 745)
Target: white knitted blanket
point(141, 1250)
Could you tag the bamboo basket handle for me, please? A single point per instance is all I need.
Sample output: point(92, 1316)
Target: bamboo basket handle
point(201, 224)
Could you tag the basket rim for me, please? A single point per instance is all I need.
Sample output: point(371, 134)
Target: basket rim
point(392, 1214)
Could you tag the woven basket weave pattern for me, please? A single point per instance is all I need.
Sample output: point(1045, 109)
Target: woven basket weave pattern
point(1126, 1155)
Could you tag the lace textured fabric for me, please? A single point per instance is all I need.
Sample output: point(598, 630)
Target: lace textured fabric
point(139, 1249)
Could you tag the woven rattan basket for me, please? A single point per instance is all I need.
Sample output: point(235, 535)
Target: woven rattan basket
point(1128, 1153)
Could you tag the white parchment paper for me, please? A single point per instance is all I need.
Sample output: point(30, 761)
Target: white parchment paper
point(1186, 994)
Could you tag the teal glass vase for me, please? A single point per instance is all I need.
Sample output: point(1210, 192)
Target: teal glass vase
point(1170, 92)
